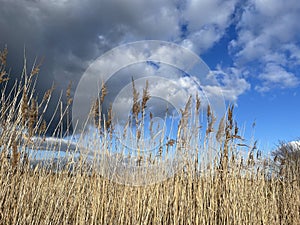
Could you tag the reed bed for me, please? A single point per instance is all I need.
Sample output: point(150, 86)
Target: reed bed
point(230, 189)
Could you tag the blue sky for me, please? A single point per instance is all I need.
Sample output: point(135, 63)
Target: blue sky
point(252, 46)
point(275, 112)
point(272, 101)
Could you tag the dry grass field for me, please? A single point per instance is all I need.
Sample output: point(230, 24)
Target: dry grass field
point(230, 190)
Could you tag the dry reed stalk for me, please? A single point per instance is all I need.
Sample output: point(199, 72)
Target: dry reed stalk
point(108, 122)
point(69, 102)
point(136, 105)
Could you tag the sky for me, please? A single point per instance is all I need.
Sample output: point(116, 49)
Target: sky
point(252, 48)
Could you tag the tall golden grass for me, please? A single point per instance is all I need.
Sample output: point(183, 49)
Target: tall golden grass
point(230, 190)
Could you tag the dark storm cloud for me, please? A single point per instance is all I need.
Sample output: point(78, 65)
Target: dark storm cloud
point(71, 34)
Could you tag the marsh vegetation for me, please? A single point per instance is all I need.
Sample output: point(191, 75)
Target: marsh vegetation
point(229, 188)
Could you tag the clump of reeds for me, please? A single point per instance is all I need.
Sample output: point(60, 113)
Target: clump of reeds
point(233, 190)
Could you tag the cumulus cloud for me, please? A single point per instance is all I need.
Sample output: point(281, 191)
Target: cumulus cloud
point(173, 74)
point(276, 76)
point(206, 22)
point(266, 31)
point(231, 83)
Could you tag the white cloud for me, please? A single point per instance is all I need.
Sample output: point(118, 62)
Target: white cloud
point(276, 76)
point(232, 83)
point(203, 39)
point(201, 13)
point(267, 31)
point(206, 21)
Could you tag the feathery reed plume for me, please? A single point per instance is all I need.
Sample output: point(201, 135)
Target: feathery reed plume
point(103, 93)
point(229, 126)
point(221, 130)
point(228, 136)
point(35, 70)
point(145, 97)
point(160, 151)
point(181, 129)
point(14, 155)
point(96, 113)
point(198, 103)
point(236, 132)
point(136, 105)
point(43, 127)
point(68, 94)
point(171, 143)
point(138, 134)
point(125, 129)
point(236, 129)
point(250, 160)
point(24, 107)
point(3, 56)
point(48, 93)
point(33, 116)
point(186, 112)
point(3, 73)
point(211, 119)
point(2, 76)
point(108, 122)
point(152, 132)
